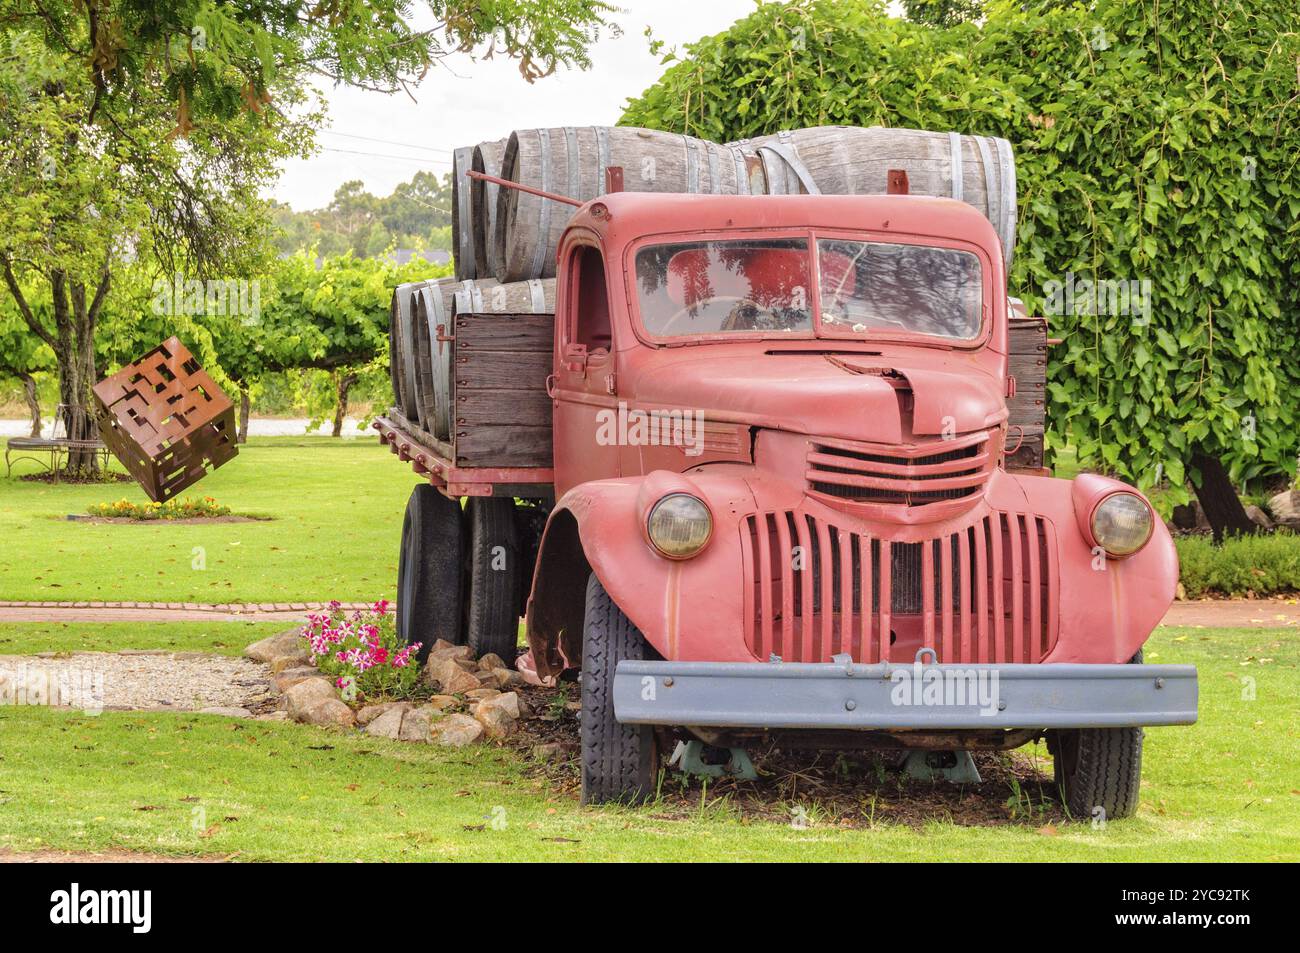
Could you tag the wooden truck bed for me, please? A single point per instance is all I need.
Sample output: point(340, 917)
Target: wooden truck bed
point(501, 423)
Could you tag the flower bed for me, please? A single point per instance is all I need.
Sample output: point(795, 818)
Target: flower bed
point(188, 508)
point(362, 652)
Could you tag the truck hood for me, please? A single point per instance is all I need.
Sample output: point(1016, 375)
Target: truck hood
point(877, 398)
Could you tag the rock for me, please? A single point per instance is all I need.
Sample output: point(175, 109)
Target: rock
point(450, 677)
point(550, 751)
point(491, 661)
point(370, 712)
point(418, 722)
point(1285, 507)
point(327, 711)
point(508, 678)
point(227, 712)
point(293, 676)
point(482, 694)
point(274, 716)
point(1180, 592)
point(388, 724)
point(498, 714)
point(282, 663)
point(306, 693)
point(443, 702)
point(286, 643)
point(445, 650)
point(456, 731)
point(1259, 517)
point(488, 680)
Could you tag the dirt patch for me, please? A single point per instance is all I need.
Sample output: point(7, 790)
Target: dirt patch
point(233, 518)
point(110, 477)
point(137, 681)
point(817, 788)
point(99, 857)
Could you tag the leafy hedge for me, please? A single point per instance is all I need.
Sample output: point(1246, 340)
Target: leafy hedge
point(1243, 565)
point(1154, 141)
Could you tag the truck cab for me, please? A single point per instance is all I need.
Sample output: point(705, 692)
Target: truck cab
point(780, 433)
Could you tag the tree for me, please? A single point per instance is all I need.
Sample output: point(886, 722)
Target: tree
point(1154, 144)
point(943, 13)
point(138, 131)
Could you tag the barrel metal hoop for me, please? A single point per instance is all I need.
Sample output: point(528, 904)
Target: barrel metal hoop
point(992, 200)
point(571, 149)
point(787, 154)
point(742, 171)
point(537, 295)
point(541, 240)
point(954, 165)
point(715, 176)
point(1007, 177)
point(692, 164)
point(463, 159)
point(602, 149)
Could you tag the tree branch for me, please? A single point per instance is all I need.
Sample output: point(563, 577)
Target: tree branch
point(36, 327)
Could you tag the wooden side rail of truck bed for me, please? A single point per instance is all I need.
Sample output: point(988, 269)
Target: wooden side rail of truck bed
point(432, 458)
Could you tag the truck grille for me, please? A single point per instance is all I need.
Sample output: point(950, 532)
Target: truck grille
point(987, 593)
point(910, 476)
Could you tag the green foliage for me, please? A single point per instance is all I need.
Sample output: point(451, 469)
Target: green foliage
point(1255, 566)
point(1154, 142)
point(416, 215)
point(943, 13)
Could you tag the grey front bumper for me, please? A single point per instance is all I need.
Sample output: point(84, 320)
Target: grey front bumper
point(842, 694)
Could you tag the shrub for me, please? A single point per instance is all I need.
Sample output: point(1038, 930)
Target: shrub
point(175, 509)
point(1258, 565)
point(362, 652)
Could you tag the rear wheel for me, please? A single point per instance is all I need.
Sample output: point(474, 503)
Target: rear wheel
point(1098, 770)
point(495, 565)
point(618, 761)
point(429, 570)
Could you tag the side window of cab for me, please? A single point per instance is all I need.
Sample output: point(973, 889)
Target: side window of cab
point(588, 320)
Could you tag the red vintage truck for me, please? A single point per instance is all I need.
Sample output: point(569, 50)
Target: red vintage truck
point(762, 477)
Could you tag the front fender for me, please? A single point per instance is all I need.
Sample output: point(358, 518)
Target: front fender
point(600, 527)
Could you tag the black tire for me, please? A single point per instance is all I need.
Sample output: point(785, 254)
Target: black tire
point(618, 761)
point(1098, 770)
point(492, 623)
point(429, 570)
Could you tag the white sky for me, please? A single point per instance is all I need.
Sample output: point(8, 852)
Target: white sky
point(472, 100)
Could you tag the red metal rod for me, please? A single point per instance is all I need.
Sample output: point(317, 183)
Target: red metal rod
point(526, 188)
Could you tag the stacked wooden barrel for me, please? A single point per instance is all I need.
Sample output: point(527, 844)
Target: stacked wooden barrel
point(505, 240)
point(420, 335)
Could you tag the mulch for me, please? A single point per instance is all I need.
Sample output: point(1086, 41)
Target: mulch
point(829, 788)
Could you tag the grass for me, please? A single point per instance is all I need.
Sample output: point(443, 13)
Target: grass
point(337, 508)
point(178, 784)
point(220, 638)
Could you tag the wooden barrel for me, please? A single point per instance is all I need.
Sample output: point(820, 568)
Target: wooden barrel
point(851, 160)
point(462, 221)
point(401, 350)
point(571, 161)
point(535, 296)
point(483, 205)
point(429, 314)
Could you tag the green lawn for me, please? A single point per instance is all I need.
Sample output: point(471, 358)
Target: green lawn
point(220, 638)
point(1222, 790)
point(338, 518)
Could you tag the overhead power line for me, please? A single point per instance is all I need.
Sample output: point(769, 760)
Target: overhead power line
point(387, 142)
point(382, 155)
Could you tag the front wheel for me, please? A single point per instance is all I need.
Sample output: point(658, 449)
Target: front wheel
point(618, 761)
point(1098, 770)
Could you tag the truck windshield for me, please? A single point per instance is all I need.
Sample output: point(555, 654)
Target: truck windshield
point(763, 286)
point(917, 289)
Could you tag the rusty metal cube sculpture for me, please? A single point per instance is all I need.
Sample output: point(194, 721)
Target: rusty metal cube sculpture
point(165, 419)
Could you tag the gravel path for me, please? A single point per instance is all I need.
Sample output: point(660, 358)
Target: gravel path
point(182, 681)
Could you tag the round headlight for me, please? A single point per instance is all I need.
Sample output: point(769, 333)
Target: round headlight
point(1122, 524)
point(679, 525)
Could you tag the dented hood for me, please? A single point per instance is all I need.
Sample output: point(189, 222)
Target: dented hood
point(853, 396)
